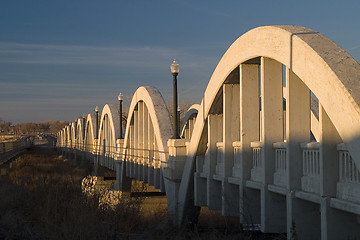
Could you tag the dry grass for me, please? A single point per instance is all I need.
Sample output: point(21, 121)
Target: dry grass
point(41, 198)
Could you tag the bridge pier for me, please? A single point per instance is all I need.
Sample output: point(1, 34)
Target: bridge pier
point(173, 175)
point(123, 182)
point(337, 224)
point(304, 219)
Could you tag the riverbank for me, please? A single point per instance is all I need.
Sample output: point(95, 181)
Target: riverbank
point(41, 198)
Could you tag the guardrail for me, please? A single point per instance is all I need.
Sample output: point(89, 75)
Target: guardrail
point(9, 150)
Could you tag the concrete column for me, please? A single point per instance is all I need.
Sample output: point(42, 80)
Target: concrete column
point(157, 165)
point(231, 133)
point(306, 218)
point(215, 134)
point(329, 174)
point(140, 145)
point(96, 157)
point(191, 126)
point(337, 224)
point(329, 171)
point(123, 183)
point(273, 206)
point(150, 173)
point(145, 144)
point(106, 142)
point(173, 174)
point(200, 183)
point(130, 151)
point(136, 143)
point(298, 125)
point(249, 129)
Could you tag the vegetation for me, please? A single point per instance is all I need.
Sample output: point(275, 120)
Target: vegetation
point(46, 127)
point(42, 199)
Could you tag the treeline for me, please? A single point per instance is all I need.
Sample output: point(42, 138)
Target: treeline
point(46, 127)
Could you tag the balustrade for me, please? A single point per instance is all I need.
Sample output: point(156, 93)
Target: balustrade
point(237, 160)
point(219, 170)
point(348, 187)
point(310, 181)
point(348, 172)
point(256, 171)
point(280, 163)
point(206, 164)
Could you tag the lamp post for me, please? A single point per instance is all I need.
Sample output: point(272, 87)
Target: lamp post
point(179, 127)
point(97, 121)
point(175, 71)
point(120, 98)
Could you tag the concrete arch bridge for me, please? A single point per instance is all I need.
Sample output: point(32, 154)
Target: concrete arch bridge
point(290, 163)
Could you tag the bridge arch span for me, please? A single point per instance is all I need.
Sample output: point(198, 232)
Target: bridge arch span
point(258, 150)
point(188, 121)
point(108, 129)
point(73, 134)
point(79, 134)
point(315, 59)
point(147, 130)
point(158, 112)
point(90, 132)
point(312, 63)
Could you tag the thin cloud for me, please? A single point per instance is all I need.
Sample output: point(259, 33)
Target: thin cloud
point(126, 56)
point(16, 53)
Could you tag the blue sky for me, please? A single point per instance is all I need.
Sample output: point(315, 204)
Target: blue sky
point(59, 59)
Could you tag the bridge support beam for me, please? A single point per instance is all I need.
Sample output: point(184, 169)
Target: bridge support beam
point(297, 132)
point(231, 133)
point(249, 132)
point(172, 177)
point(213, 186)
point(123, 182)
point(273, 206)
point(329, 175)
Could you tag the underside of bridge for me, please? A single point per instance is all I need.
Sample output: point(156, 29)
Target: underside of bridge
point(275, 140)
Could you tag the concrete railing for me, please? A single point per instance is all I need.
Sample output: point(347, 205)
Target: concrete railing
point(236, 171)
point(9, 150)
point(348, 172)
point(219, 170)
point(348, 186)
point(257, 165)
point(280, 163)
point(310, 181)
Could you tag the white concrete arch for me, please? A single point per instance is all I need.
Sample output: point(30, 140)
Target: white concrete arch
point(79, 134)
point(62, 138)
point(158, 112)
point(67, 136)
point(189, 120)
point(90, 131)
point(147, 130)
point(108, 129)
point(315, 59)
point(73, 134)
point(321, 65)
